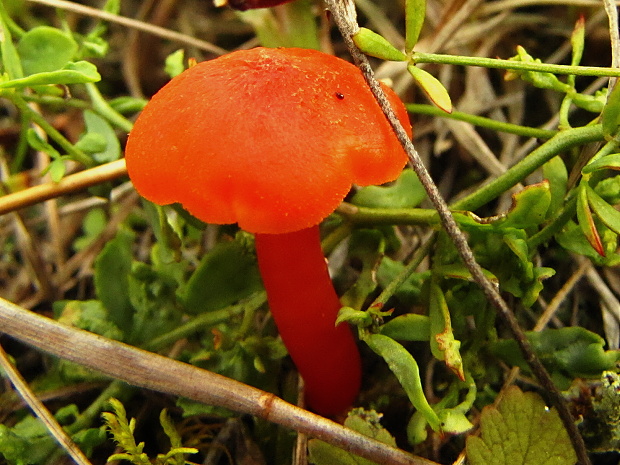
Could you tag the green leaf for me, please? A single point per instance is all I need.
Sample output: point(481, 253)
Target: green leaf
point(610, 117)
point(175, 63)
point(460, 271)
point(608, 162)
point(98, 127)
point(406, 370)
point(93, 224)
point(79, 72)
point(432, 88)
point(368, 247)
point(586, 220)
point(90, 315)
point(443, 344)
point(529, 207)
point(571, 352)
point(415, 12)
point(539, 79)
point(608, 214)
point(127, 105)
point(355, 317)
point(521, 430)
point(408, 327)
point(572, 238)
point(577, 41)
point(112, 269)
point(29, 441)
point(57, 169)
point(366, 422)
point(556, 174)
point(36, 142)
point(377, 46)
point(406, 192)
point(409, 291)
point(227, 274)
point(11, 63)
point(152, 295)
point(45, 49)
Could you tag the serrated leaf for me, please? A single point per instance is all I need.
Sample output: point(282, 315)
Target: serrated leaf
point(377, 46)
point(44, 49)
point(608, 214)
point(406, 192)
point(366, 422)
point(406, 370)
point(586, 220)
point(432, 88)
point(225, 275)
point(79, 72)
point(521, 430)
point(409, 291)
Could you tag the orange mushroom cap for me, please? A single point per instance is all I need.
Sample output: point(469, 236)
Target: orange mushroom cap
point(271, 139)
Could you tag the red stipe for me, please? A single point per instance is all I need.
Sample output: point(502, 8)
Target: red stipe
point(304, 306)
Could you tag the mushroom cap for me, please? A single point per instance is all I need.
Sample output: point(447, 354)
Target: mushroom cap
point(271, 139)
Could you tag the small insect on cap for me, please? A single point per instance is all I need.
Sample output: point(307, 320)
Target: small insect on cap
point(271, 139)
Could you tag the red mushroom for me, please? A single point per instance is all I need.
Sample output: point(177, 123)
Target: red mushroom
point(273, 139)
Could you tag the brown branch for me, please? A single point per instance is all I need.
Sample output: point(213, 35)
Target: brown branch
point(68, 184)
point(41, 411)
point(152, 371)
point(343, 12)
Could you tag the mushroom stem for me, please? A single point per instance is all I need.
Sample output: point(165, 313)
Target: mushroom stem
point(305, 306)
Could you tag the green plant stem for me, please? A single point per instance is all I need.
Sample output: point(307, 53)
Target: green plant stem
point(344, 16)
point(366, 216)
point(398, 281)
point(158, 373)
point(298, 24)
point(335, 237)
point(554, 146)
point(117, 389)
point(555, 226)
point(481, 121)
point(103, 108)
point(206, 320)
point(58, 101)
point(38, 119)
point(419, 57)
